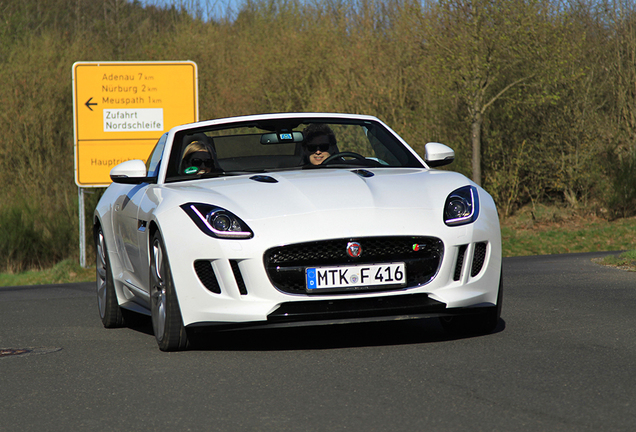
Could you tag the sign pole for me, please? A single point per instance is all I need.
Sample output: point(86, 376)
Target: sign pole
point(82, 228)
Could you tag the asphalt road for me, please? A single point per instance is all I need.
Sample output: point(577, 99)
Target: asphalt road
point(562, 358)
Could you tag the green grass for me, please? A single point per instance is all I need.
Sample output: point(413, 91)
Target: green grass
point(537, 231)
point(545, 230)
point(592, 236)
point(624, 261)
point(67, 271)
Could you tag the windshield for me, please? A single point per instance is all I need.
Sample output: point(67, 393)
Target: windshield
point(286, 144)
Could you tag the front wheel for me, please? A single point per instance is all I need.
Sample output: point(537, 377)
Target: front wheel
point(109, 310)
point(167, 322)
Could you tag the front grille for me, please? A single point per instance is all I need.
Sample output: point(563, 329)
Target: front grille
point(286, 265)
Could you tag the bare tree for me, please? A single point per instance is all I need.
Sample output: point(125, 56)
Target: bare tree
point(482, 49)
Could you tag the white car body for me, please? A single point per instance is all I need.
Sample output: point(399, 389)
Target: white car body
point(289, 207)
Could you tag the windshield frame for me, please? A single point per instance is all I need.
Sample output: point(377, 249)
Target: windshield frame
point(404, 155)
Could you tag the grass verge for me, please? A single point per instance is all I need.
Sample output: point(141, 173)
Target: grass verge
point(520, 238)
point(542, 230)
point(67, 271)
point(624, 261)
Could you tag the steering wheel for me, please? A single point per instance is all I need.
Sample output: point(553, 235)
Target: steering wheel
point(342, 155)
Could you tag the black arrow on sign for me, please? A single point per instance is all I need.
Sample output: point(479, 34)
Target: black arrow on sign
point(88, 104)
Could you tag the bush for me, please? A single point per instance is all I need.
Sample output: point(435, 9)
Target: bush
point(622, 199)
point(31, 239)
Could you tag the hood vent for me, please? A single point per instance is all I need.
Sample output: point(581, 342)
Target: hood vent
point(264, 179)
point(363, 173)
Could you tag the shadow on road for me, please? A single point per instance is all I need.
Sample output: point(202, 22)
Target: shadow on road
point(322, 337)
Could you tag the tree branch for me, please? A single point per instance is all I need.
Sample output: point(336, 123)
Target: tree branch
point(505, 89)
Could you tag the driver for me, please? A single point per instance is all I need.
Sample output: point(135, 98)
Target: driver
point(320, 143)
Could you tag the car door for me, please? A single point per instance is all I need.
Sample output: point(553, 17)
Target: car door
point(130, 223)
point(126, 225)
point(145, 209)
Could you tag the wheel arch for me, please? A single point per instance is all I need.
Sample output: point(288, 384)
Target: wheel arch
point(153, 227)
point(100, 221)
point(97, 224)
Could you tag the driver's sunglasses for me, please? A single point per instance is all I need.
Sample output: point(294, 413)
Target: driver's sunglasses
point(312, 148)
point(198, 162)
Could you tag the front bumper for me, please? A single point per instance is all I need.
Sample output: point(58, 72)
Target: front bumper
point(226, 282)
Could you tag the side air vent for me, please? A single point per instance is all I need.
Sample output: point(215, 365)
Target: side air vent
point(239, 277)
point(460, 262)
point(479, 256)
point(206, 275)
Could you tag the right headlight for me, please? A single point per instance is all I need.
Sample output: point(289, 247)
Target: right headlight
point(461, 206)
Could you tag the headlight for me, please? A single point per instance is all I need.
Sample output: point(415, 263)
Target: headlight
point(217, 222)
point(462, 206)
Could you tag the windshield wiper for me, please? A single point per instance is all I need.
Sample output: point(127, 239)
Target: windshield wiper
point(198, 176)
point(215, 174)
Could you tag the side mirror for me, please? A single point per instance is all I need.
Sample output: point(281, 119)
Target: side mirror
point(438, 154)
point(129, 172)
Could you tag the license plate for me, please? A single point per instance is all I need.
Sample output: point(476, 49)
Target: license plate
point(363, 275)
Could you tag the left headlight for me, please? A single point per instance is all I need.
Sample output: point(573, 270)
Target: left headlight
point(217, 222)
point(461, 206)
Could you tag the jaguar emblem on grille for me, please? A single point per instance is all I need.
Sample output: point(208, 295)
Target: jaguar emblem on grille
point(354, 250)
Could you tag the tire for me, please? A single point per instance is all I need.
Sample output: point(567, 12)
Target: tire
point(478, 323)
point(107, 304)
point(167, 322)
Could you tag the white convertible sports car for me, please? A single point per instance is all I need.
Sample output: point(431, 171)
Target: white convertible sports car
point(294, 219)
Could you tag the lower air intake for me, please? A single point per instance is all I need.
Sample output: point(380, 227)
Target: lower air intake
point(460, 262)
point(206, 275)
point(238, 277)
point(479, 256)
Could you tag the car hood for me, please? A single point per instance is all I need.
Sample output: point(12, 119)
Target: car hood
point(288, 193)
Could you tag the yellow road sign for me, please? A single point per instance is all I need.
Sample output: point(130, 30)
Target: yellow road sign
point(122, 108)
